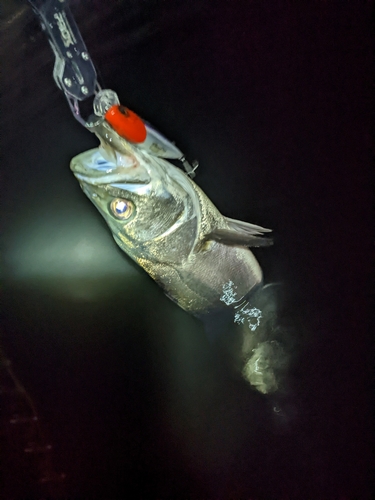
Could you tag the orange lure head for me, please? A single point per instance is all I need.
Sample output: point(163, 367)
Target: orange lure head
point(126, 123)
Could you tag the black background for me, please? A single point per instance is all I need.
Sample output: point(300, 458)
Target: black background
point(274, 99)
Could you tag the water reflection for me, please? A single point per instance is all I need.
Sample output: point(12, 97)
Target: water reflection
point(58, 245)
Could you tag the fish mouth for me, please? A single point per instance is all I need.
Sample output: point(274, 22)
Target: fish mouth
point(93, 168)
point(91, 165)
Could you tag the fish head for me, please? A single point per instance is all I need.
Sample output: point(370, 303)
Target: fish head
point(139, 201)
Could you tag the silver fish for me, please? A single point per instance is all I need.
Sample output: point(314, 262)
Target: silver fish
point(164, 222)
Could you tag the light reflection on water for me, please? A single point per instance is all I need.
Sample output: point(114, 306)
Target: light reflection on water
point(60, 245)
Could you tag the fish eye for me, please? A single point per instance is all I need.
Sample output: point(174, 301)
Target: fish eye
point(121, 209)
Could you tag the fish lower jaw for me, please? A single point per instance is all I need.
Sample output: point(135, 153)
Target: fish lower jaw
point(97, 181)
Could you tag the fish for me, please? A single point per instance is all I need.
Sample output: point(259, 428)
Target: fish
point(165, 223)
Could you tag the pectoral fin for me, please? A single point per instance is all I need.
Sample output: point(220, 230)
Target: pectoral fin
point(246, 227)
point(241, 234)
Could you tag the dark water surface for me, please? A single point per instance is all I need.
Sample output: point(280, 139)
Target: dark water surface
point(274, 100)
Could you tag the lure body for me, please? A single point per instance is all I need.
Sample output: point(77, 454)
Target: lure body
point(164, 222)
